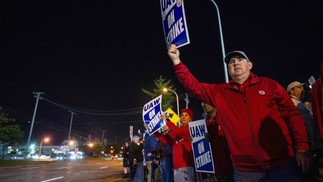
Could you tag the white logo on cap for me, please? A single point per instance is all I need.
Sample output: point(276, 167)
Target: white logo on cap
point(261, 92)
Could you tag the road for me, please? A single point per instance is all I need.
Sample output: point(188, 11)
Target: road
point(99, 170)
point(90, 170)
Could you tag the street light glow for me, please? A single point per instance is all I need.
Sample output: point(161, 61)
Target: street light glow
point(46, 139)
point(41, 143)
point(177, 102)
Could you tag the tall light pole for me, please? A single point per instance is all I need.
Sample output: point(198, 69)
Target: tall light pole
point(71, 121)
point(186, 100)
point(222, 43)
point(41, 143)
point(177, 102)
point(103, 131)
point(33, 119)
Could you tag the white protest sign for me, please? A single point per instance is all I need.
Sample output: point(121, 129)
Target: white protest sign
point(174, 22)
point(201, 147)
point(151, 114)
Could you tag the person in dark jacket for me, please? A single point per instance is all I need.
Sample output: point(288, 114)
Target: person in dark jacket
point(297, 93)
point(126, 162)
point(265, 131)
point(219, 145)
point(150, 143)
point(164, 153)
point(136, 159)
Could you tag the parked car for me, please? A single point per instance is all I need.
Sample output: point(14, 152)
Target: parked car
point(60, 156)
point(78, 155)
point(16, 156)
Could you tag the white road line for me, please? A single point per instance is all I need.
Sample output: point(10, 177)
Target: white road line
point(104, 167)
point(53, 179)
point(62, 167)
point(29, 167)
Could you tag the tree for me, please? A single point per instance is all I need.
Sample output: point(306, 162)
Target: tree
point(168, 98)
point(10, 133)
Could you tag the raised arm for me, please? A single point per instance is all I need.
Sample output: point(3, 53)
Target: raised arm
point(174, 54)
point(200, 90)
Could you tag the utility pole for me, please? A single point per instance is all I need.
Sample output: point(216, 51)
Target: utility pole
point(103, 131)
point(71, 121)
point(186, 100)
point(33, 119)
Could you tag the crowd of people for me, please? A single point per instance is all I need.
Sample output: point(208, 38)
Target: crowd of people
point(258, 130)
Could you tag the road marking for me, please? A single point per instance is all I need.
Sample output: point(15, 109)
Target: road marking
point(53, 179)
point(62, 167)
point(29, 167)
point(104, 167)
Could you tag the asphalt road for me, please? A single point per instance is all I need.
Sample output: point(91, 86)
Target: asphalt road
point(89, 170)
point(68, 171)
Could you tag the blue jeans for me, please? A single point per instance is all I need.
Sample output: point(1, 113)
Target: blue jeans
point(139, 174)
point(166, 169)
point(288, 172)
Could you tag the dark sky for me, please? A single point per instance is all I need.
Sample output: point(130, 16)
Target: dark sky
point(97, 55)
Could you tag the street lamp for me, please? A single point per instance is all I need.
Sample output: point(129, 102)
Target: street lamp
point(177, 103)
point(41, 143)
point(222, 42)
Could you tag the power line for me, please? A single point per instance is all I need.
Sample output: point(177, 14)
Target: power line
point(132, 111)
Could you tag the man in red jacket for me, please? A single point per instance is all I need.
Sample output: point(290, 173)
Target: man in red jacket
point(265, 131)
point(317, 101)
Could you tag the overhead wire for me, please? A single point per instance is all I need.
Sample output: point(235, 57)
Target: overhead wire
point(60, 128)
point(131, 111)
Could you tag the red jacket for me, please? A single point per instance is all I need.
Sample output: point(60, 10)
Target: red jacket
point(259, 120)
point(180, 139)
point(317, 102)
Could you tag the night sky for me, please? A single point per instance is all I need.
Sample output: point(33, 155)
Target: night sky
point(97, 55)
